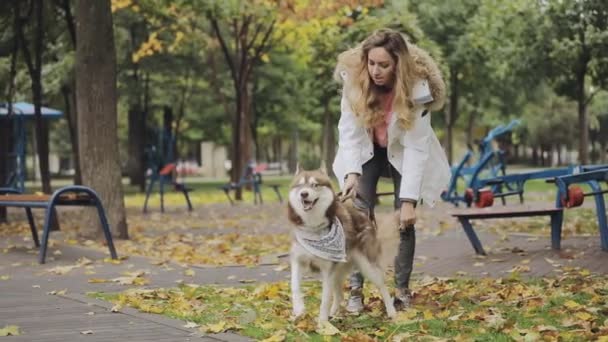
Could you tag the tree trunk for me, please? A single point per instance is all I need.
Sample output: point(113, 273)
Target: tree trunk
point(583, 124)
point(136, 145)
point(5, 149)
point(451, 113)
point(329, 139)
point(72, 118)
point(96, 107)
point(35, 70)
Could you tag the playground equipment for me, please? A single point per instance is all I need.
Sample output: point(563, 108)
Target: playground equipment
point(490, 164)
point(568, 196)
point(161, 166)
point(252, 176)
point(15, 160)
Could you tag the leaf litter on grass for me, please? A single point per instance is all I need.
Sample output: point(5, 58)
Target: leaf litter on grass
point(572, 307)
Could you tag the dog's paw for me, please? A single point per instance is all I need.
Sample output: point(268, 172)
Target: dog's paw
point(391, 312)
point(298, 311)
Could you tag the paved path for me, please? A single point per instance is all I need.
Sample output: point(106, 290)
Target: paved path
point(26, 302)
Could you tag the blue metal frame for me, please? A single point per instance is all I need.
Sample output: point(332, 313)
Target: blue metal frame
point(21, 111)
point(162, 180)
point(92, 199)
point(255, 179)
point(157, 158)
point(489, 160)
point(593, 179)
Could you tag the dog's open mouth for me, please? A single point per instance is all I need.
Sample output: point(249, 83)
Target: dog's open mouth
point(308, 204)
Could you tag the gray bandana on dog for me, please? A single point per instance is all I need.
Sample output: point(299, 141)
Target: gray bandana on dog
point(331, 246)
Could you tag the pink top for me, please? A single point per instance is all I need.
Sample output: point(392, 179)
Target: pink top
point(381, 130)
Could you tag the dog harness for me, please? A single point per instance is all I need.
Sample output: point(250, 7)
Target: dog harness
point(330, 246)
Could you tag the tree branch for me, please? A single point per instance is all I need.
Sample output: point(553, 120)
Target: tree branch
point(260, 48)
point(223, 45)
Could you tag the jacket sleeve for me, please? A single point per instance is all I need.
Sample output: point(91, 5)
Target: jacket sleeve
point(415, 155)
point(351, 137)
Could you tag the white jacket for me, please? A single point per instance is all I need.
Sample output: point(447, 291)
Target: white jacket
point(415, 153)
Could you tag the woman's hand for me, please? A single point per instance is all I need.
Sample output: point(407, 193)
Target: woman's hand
point(407, 217)
point(350, 186)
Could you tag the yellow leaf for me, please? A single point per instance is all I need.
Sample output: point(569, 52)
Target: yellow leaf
point(189, 272)
point(278, 336)
point(428, 314)
point(583, 316)
point(5, 277)
point(10, 330)
point(98, 280)
point(214, 328)
point(327, 329)
point(112, 261)
point(572, 304)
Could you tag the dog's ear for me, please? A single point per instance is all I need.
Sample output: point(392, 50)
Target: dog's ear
point(298, 168)
point(323, 168)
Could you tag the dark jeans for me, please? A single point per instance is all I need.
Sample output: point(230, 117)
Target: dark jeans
point(375, 168)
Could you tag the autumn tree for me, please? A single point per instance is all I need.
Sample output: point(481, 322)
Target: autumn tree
point(96, 106)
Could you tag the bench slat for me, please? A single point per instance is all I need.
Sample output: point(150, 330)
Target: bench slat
point(65, 198)
point(505, 212)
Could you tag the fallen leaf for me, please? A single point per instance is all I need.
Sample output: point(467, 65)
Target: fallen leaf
point(327, 329)
point(570, 304)
point(57, 293)
point(278, 336)
point(5, 277)
point(10, 330)
point(214, 328)
point(87, 332)
point(189, 272)
point(282, 267)
point(190, 325)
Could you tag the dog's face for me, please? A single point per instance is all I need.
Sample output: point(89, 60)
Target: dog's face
point(311, 194)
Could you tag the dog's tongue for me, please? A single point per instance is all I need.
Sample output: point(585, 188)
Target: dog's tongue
point(307, 205)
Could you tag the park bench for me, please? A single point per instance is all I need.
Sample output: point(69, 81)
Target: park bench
point(252, 176)
point(165, 176)
point(567, 197)
point(66, 196)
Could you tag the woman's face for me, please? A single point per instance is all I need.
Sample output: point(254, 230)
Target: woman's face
point(381, 67)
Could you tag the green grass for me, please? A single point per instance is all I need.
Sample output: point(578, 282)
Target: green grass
point(480, 310)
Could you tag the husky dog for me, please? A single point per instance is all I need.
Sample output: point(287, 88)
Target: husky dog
point(330, 237)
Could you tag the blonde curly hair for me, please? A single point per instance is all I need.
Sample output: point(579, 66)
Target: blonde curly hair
point(351, 71)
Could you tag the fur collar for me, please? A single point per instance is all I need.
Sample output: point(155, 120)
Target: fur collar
point(426, 67)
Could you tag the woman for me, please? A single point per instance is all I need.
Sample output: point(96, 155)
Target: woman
point(389, 87)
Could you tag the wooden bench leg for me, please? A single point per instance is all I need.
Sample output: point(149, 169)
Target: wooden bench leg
point(556, 229)
point(468, 229)
point(30, 219)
